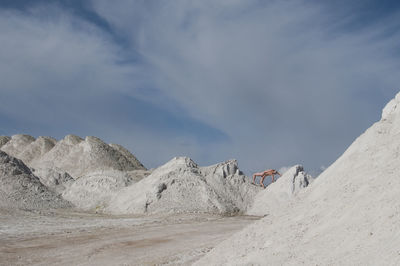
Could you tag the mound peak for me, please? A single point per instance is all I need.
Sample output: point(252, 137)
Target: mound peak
point(72, 139)
point(391, 108)
point(177, 163)
point(279, 193)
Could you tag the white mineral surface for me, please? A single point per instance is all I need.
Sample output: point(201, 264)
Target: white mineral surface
point(182, 186)
point(350, 215)
point(277, 194)
point(20, 188)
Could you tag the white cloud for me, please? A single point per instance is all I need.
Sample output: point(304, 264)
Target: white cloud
point(58, 73)
point(276, 76)
point(45, 55)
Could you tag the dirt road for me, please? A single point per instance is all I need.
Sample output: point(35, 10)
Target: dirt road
point(73, 238)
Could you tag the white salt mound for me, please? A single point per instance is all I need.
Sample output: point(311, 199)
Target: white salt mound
point(350, 214)
point(73, 155)
point(279, 193)
point(93, 191)
point(101, 169)
point(79, 157)
point(19, 188)
point(54, 179)
point(182, 186)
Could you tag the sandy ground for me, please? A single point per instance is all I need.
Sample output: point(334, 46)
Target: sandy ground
point(74, 238)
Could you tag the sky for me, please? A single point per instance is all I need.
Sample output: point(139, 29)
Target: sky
point(269, 83)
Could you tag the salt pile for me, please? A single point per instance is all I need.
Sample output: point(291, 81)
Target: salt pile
point(93, 191)
point(79, 157)
point(280, 192)
point(101, 169)
point(73, 155)
point(19, 188)
point(182, 186)
point(350, 214)
point(54, 179)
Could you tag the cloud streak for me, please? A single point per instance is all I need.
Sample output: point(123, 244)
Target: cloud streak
point(270, 83)
point(283, 79)
point(62, 74)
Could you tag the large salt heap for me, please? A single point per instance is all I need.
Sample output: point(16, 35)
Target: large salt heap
point(97, 165)
point(94, 191)
point(72, 154)
point(19, 188)
point(350, 214)
point(79, 157)
point(182, 186)
point(279, 193)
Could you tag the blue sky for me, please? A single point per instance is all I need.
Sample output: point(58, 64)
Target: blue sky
point(270, 83)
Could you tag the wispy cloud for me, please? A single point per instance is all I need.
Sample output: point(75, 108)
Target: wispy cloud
point(270, 83)
point(61, 74)
point(284, 79)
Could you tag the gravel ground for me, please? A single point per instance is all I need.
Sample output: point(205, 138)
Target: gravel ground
point(68, 237)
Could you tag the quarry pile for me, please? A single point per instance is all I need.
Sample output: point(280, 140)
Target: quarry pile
point(98, 166)
point(182, 186)
point(73, 155)
point(79, 157)
point(279, 193)
point(21, 189)
point(100, 177)
point(94, 191)
point(59, 163)
point(54, 179)
point(350, 214)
